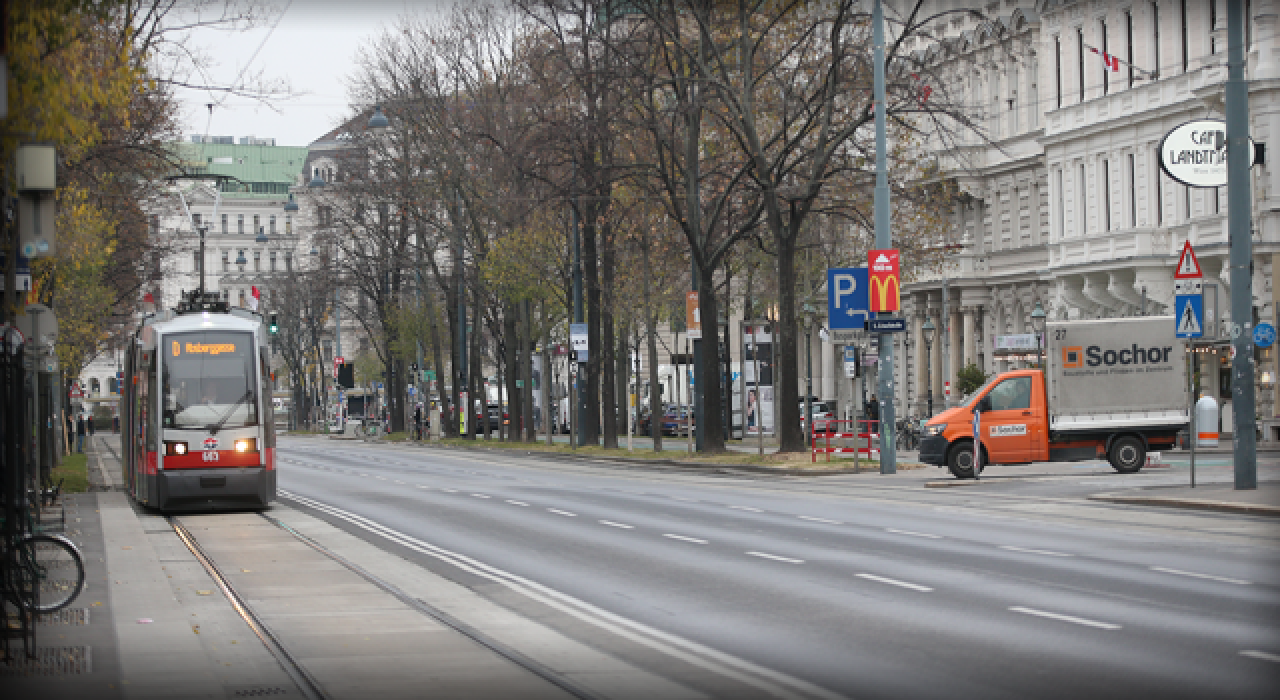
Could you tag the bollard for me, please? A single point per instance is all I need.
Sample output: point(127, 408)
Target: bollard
point(1206, 422)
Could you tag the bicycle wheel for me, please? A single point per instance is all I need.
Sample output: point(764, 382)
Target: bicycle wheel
point(56, 568)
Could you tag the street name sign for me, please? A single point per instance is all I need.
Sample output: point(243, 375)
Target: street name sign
point(578, 340)
point(887, 325)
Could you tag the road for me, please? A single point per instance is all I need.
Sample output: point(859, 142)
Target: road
point(830, 586)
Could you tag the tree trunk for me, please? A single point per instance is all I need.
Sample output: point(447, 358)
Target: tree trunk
point(547, 412)
point(437, 352)
point(651, 333)
point(711, 418)
point(786, 406)
point(526, 348)
point(590, 429)
point(511, 355)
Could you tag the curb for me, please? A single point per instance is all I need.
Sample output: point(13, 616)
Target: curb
point(1190, 504)
point(728, 467)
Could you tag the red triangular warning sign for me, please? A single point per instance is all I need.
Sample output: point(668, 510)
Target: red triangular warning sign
point(1188, 266)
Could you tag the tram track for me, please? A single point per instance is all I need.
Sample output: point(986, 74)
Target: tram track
point(305, 681)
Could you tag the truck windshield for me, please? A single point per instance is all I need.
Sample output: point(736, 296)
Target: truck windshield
point(978, 392)
point(209, 380)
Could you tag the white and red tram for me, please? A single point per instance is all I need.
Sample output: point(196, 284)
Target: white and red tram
point(197, 425)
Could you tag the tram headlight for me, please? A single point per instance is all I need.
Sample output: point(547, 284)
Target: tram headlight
point(175, 448)
point(247, 445)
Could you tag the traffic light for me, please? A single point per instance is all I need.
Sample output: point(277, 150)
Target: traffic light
point(274, 327)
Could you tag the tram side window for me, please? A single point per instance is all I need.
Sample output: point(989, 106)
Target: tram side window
point(209, 380)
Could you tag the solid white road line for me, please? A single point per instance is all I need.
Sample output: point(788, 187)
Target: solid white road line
point(686, 539)
point(610, 523)
point(913, 534)
point(895, 582)
point(1262, 655)
point(480, 495)
point(517, 503)
point(819, 520)
point(562, 512)
point(1065, 618)
point(1045, 552)
point(747, 508)
point(1192, 574)
point(776, 557)
point(768, 681)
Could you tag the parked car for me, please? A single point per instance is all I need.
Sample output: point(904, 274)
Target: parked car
point(675, 421)
point(497, 417)
point(823, 418)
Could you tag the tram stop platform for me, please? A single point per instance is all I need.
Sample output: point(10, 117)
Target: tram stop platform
point(152, 622)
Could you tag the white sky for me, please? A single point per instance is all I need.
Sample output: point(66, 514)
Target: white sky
point(313, 47)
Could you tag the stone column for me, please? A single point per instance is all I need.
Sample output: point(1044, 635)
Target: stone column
point(954, 357)
point(935, 362)
point(970, 338)
point(917, 345)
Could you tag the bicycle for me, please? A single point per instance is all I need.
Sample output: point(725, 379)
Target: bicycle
point(49, 573)
point(907, 435)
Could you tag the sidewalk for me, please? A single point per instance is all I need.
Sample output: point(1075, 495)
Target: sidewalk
point(1264, 500)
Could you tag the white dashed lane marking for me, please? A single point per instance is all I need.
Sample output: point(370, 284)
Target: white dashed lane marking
point(747, 508)
point(896, 582)
point(1192, 574)
point(479, 495)
point(610, 523)
point(562, 512)
point(685, 539)
point(1044, 552)
point(819, 520)
point(1065, 618)
point(913, 534)
point(776, 557)
point(517, 503)
point(1261, 655)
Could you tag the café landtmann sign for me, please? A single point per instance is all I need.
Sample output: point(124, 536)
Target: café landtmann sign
point(1195, 153)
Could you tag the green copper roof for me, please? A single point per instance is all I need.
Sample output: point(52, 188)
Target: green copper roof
point(265, 171)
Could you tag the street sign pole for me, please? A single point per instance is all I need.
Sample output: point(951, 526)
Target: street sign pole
point(1188, 323)
point(1239, 219)
point(888, 452)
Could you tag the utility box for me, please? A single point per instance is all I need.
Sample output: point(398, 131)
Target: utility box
point(36, 168)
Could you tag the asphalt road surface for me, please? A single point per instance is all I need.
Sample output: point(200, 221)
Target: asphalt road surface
point(829, 586)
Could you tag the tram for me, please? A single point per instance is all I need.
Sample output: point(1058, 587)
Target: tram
point(196, 413)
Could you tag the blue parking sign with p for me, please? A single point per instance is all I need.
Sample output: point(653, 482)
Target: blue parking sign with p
point(847, 298)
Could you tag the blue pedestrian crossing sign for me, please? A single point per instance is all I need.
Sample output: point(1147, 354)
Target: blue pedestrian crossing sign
point(848, 303)
point(1189, 315)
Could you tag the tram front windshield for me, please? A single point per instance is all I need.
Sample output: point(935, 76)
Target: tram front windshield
point(209, 380)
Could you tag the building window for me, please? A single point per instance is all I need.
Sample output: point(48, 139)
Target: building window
point(1057, 71)
point(224, 223)
point(1106, 70)
point(273, 261)
point(1128, 42)
point(242, 298)
point(226, 261)
point(1062, 214)
point(257, 223)
point(1155, 35)
point(1159, 198)
point(1186, 199)
point(1133, 193)
point(1080, 56)
point(1217, 202)
point(239, 223)
point(1082, 207)
point(1186, 47)
point(195, 261)
point(288, 225)
point(272, 224)
point(257, 261)
point(195, 219)
point(1106, 195)
point(288, 261)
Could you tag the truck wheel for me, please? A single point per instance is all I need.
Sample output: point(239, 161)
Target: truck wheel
point(1128, 455)
point(960, 460)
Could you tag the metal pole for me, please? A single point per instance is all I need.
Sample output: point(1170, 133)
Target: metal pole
point(808, 379)
point(464, 381)
point(755, 354)
point(1191, 401)
point(1239, 218)
point(928, 374)
point(888, 453)
point(581, 394)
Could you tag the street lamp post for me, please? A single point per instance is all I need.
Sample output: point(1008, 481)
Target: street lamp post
point(926, 334)
point(1038, 318)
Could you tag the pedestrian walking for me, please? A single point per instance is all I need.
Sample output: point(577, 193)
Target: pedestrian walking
point(80, 428)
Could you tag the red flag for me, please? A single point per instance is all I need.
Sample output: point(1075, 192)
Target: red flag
point(253, 300)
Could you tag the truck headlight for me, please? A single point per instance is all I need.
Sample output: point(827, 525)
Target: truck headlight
point(931, 430)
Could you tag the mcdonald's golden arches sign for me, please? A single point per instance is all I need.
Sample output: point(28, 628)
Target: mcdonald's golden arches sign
point(884, 284)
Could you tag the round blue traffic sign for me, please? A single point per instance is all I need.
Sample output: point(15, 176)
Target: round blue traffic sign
point(1264, 335)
